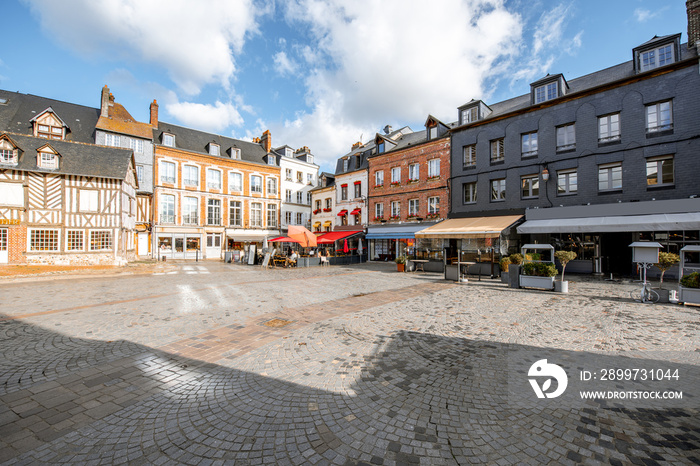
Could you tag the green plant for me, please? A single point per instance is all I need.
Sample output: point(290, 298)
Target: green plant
point(400, 260)
point(666, 261)
point(535, 256)
point(564, 257)
point(516, 258)
point(691, 280)
point(504, 263)
point(539, 269)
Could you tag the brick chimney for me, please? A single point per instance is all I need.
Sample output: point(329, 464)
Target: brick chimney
point(154, 114)
point(266, 141)
point(356, 145)
point(693, 9)
point(104, 102)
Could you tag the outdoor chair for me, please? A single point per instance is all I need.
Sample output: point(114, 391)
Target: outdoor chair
point(324, 261)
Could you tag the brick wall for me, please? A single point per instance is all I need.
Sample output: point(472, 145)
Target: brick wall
point(16, 244)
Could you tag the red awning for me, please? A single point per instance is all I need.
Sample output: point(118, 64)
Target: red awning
point(356, 211)
point(334, 236)
point(358, 182)
point(342, 213)
point(344, 185)
point(283, 239)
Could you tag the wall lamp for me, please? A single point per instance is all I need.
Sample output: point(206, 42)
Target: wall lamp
point(545, 174)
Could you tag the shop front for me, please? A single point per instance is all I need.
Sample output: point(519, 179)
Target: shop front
point(387, 242)
point(242, 245)
point(179, 245)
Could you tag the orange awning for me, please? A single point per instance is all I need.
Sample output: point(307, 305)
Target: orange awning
point(473, 227)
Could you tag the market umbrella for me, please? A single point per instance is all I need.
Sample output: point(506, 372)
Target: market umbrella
point(302, 235)
point(359, 246)
point(265, 243)
point(346, 249)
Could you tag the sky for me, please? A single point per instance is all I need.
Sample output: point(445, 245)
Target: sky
point(317, 73)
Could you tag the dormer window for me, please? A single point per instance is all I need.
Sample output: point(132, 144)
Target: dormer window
point(235, 153)
point(214, 149)
point(472, 111)
point(8, 152)
point(288, 152)
point(168, 140)
point(469, 115)
point(310, 158)
point(548, 88)
point(47, 158)
point(380, 148)
point(271, 160)
point(345, 164)
point(48, 125)
point(657, 52)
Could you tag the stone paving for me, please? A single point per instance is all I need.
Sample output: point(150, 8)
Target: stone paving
point(340, 365)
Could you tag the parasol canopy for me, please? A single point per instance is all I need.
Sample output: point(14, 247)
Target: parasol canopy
point(303, 236)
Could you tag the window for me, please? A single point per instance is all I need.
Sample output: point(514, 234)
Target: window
point(433, 168)
point(358, 190)
point(255, 214)
point(49, 131)
point(498, 189)
point(190, 175)
point(288, 174)
point(136, 145)
point(567, 182)
point(308, 197)
point(659, 117)
point(396, 175)
point(11, 194)
point(168, 140)
point(469, 156)
point(530, 185)
point(433, 205)
point(470, 115)
point(88, 201)
point(300, 177)
point(344, 192)
point(190, 211)
point(234, 213)
point(379, 178)
point(235, 181)
point(497, 152)
point(48, 160)
point(300, 218)
point(167, 208)
point(610, 177)
point(271, 160)
point(214, 149)
point(74, 240)
point(309, 178)
point(139, 174)
point(469, 192)
point(271, 186)
point(609, 128)
point(318, 204)
point(213, 212)
point(100, 240)
point(112, 140)
point(272, 215)
point(413, 207)
point(167, 172)
point(546, 92)
point(346, 162)
point(380, 148)
point(43, 240)
point(657, 57)
point(432, 132)
point(528, 144)
point(288, 195)
point(300, 197)
point(213, 240)
point(379, 210)
point(213, 179)
point(395, 209)
point(8, 156)
point(329, 204)
point(256, 184)
point(660, 171)
point(566, 137)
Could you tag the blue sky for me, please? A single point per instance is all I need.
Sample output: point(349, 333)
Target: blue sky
point(316, 73)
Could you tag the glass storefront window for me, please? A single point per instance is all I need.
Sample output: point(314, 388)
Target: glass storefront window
point(192, 244)
point(165, 244)
point(582, 245)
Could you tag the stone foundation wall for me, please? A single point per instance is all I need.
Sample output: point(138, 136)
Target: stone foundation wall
point(71, 259)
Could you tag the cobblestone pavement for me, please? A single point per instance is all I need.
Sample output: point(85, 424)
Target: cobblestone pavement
point(339, 365)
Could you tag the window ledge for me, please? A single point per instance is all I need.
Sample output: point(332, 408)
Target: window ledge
point(610, 142)
point(565, 149)
point(660, 187)
point(529, 155)
point(498, 162)
point(468, 167)
point(566, 194)
point(656, 134)
point(609, 191)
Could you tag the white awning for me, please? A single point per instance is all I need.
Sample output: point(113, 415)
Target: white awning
point(470, 227)
point(622, 223)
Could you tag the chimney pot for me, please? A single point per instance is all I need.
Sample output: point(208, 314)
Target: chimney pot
point(154, 114)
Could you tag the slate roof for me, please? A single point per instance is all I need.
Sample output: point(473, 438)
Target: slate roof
point(75, 158)
point(365, 151)
point(119, 120)
point(16, 115)
point(330, 180)
point(589, 81)
point(196, 141)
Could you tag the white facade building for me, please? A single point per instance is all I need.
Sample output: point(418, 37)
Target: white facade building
point(299, 176)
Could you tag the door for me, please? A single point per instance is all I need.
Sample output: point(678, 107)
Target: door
point(179, 252)
point(143, 244)
point(616, 254)
point(3, 246)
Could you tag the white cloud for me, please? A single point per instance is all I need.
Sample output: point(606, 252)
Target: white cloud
point(283, 64)
point(410, 59)
point(195, 42)
point(213, 118)
point(642, 15)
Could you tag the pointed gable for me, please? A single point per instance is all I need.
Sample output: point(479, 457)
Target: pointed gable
point(49, 125)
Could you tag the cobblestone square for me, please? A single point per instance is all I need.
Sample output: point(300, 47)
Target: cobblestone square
point(233, 364)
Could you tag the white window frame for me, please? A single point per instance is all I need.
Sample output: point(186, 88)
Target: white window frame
point(498, 153)
point(657, 163)
point(530, 186)
point(379, 210)
point(469, 192)
point(214, 179)
point(139, 174)
point(190, 215)
point(214, 149)
point(54, 238)
point(288, 172)
point(395, 209)
point(9, 156)
point(607, 178)
point(413, 207)
point(232, 186)
point(73, 237)
point(546, 92)
point(235, 211)
point(498, 190)
point(609, 128)
point(48, 160)
point(528, 144)
point(655, 119)
point(654, 58)
point(186, 179)
point(88, 200)
point(271, 185)
point(97, 240)
point(413, 172)
point(136, 145)
point(214, 211)
point(272, 215)
point(433, 168)
point(379, 178)
point(256, 214)
point(253, 185)
point(434, 205)
point(396, 175)
point(165, 213)
point(163, 175)
point(112, 140)
point(566, 137)
point(169, 140)
point(470, 115)
point(567, 182)
point(469, 156)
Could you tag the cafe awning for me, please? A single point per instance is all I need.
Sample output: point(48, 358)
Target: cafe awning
point(317, 224)
point(283, 239)
point(395, 231)
point(334, 236)
point(342, 213)
point(248, 237)
point(620, 223)
point(327, 223)
point(472, 227)
point(356, 211)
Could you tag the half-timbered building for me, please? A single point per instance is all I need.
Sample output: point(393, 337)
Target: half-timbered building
point(65, 202)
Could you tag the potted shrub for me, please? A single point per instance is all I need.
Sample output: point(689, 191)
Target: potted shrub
point(514, 270)
point(689, 291)
point(564, 257)
point(538, 275)
point(666, 261)
point(400, 263)
point(504, 263)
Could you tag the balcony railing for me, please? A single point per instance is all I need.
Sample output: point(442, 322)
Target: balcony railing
point(167, 218)
point(167, 179)
point(192, 219)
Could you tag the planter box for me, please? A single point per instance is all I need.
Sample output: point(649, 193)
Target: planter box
point(529, 281)
point(400, 267)
point(504, 277)
point(561, 286)
point(513, 276)
point(688, 295)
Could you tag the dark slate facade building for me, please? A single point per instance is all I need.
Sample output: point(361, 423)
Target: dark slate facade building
point(592, 164)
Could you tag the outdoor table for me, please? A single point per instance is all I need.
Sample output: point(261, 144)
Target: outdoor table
point(466, 265)
point(419, 263)
point(279, 261)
